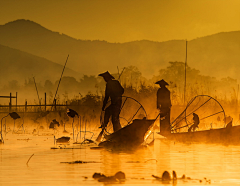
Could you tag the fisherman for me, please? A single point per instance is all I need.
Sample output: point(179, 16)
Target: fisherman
point(114, 90)
point(164, 106)
point(195, 124)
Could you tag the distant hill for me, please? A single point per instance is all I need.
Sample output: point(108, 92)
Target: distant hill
point(216, 55)
point(18, 65)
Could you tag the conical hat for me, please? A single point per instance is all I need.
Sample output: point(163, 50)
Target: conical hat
point(107, 75)
point(162, 82)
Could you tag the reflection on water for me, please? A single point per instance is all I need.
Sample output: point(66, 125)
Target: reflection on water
point(218, 163)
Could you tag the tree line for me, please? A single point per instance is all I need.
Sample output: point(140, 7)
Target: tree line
point(135, 85)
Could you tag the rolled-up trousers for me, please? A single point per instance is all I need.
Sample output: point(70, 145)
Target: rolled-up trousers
point(113, 111)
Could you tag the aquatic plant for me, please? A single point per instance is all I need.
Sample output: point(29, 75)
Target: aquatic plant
point(79, 162)
point(63, 139)
point(118, 177)
point(14, 116)
point(72, 113)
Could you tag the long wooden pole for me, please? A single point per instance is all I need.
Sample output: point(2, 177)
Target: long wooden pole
point(185, 81)
point(36, 90)
point(60, 79)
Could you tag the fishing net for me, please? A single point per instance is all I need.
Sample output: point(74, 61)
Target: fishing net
point(131, 109)
point(209, 111)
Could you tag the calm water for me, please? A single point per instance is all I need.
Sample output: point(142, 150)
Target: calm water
point(220, 164)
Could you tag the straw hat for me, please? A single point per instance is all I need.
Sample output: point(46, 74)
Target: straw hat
point(162, 82)
point(106, 75)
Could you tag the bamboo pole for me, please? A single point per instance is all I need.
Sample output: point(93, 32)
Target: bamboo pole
point(185, 78)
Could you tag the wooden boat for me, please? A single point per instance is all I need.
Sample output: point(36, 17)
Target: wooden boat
point(228, 134)
point(135, 129)
point(130, 136)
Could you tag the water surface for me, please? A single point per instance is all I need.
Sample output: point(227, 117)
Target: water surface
point(218, 163)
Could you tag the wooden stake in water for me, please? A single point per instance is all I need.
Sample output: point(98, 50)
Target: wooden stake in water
point(80, 128)
point(73, 128)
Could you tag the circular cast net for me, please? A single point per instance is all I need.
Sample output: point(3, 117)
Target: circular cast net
point(131, 109)
point(209, 111)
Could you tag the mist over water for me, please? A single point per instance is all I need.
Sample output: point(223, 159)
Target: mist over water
point(217, 163)
point(139, 43)
point(33, 158)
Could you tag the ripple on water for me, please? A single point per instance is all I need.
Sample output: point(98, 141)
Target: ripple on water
point(216, 162)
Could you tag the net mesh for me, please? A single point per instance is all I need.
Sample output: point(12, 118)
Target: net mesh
point(131, 109)
point(210, 113)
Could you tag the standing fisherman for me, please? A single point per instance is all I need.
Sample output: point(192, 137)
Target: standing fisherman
point(164, 106)
point(114, 90)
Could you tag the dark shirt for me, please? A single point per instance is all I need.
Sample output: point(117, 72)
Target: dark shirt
point(114, 90)
point(163, 98)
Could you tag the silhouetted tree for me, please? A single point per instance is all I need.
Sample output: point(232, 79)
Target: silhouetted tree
point(131, 77)
point(48, 85)
point(88, 83)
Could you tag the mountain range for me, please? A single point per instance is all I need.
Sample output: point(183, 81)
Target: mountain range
point(20, 66)
point(28, 49)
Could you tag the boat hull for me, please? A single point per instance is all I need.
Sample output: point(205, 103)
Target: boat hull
point(129, 136)
point(228, 135)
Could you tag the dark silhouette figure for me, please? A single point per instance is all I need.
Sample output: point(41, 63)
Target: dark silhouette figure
point(14, 115)
point(71, 113)
point(195, 124)
point(164, 106)
point(114, 91)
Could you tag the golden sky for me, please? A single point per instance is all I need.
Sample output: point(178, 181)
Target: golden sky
point(127, 20)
